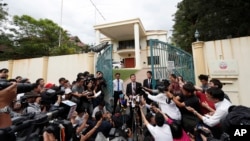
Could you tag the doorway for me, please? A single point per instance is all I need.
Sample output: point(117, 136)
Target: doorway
point(129, 62)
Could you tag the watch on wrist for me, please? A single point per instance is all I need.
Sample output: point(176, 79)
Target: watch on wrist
point(5, 109)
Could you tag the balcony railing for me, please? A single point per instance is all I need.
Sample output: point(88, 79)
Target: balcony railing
point(125, 47)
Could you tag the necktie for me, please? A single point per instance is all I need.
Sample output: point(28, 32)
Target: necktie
point(118, 85)
point(133, 88)
point(148, 83)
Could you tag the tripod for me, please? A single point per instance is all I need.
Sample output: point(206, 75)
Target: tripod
point(136, 121)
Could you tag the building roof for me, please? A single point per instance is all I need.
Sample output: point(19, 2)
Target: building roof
point(121, 30)
point(3, 48)
point(77, 41)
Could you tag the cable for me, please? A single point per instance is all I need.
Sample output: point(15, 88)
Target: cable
point(97, 10)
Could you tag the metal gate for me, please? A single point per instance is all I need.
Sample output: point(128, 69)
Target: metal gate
point(104, 64)
point(166, 59)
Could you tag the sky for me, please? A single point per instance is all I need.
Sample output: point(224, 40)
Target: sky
point(79, 16)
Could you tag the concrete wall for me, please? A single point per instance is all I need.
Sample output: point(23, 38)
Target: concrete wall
point(50, 68)
point(234, 53)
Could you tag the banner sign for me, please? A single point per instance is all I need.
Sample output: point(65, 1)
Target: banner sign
point(223, 67)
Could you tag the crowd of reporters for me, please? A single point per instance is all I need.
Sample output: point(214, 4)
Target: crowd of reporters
point(28, 101)
point(173, 110)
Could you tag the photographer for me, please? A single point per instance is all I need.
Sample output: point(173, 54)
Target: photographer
point(216, 95)
point(92, 131)
point(51, 97)
point(83, 125)
point(41, 83)
point(105, 125)
point(16, 108)
point(78, 94)
point(6, 97)
point(67, 88)
point(101, 107)
point(4, 73)
point(33, 106)
point(160, 132)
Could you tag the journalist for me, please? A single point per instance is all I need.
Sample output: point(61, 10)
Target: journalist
point(166, 104)
point(33, 106)
point(4, 73)
point(213, 121)
point(160, 132)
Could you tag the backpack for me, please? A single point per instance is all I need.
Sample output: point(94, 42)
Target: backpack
point(237, 115)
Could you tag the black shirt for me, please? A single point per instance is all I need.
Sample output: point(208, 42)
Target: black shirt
point(191, 101)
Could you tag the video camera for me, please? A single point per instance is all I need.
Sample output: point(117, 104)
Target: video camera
point(21, 87)
point(49, 96)
point(31, 126)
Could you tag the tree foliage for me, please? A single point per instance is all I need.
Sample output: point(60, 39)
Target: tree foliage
point(214, 19)
point(36, 38)
point(3, 12)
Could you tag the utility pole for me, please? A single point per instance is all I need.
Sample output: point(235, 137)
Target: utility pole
point(60, 32)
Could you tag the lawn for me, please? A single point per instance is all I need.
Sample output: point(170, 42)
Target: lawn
point(125, 73)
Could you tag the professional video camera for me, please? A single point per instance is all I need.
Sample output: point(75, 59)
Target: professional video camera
point(31, 126)
point(21, 87)
point(49, 96)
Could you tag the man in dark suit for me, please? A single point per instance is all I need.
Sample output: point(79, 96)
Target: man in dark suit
point(148, 84)
point(148, 81)
point(133, 88)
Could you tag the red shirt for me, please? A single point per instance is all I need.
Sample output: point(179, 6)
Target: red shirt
point(203, 98)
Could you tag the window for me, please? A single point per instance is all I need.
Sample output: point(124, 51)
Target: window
point(126, 44)
point(156, 60)
point(148, 42)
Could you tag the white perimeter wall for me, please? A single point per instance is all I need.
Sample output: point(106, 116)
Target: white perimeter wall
point(50, 68)
point(238, 86)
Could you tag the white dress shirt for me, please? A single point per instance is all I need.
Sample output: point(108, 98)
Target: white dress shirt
point(115, 84)
point(221, 111)
point(97, 109)
point(160, 133)
point(170, 109)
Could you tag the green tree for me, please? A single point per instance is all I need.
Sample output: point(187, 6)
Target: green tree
point(3, 12)
point(5, 39)
point(36, 38)
point(214, 19)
